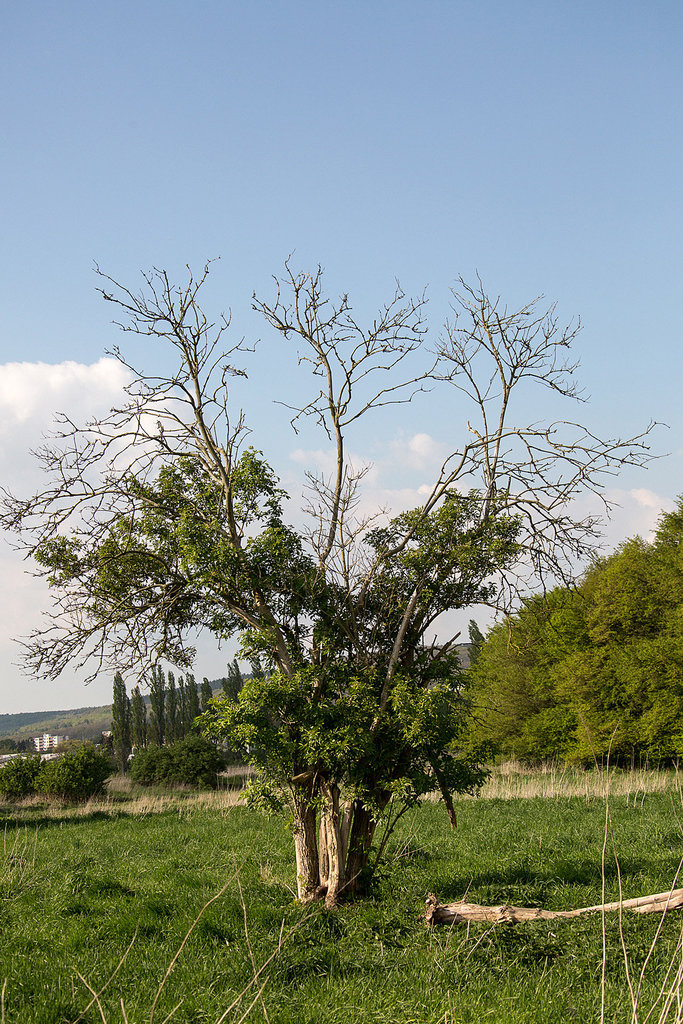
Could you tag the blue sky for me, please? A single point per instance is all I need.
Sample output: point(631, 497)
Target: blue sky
point(539, 144)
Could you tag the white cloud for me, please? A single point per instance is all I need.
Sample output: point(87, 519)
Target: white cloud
point(35, 391)
point(318, 459)
point(648, 499)
point(30, 394)
point(637, 511)
point(419, 452)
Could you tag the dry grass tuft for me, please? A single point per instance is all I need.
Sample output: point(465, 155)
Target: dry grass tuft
point(513, 780)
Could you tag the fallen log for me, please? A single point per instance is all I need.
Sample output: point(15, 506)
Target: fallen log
point(461, 912)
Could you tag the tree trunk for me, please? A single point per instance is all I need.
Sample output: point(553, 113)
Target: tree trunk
point(362, 831)
point(332, 858)
point(323, 858)
point(306, 847)
point(336, 823)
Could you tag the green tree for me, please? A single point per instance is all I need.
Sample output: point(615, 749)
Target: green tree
point(206, 694)
point(182, 713)
point(192, 703)
point(596, 669)
point(138, 719)
point(358, 712)
point(233, 682)
point(121, 723)
point(77, 775)
point(157, 706)
point(173, 724)
point(192, 761)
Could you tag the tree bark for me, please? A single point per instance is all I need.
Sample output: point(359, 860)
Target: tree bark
point(306, 848)
point(362, 831)
point(323, 858)
point(336, 876)
point(460, 912)
point(335, 824)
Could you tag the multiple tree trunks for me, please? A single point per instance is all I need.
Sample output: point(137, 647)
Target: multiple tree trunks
point(462, 912)
point(332, 849)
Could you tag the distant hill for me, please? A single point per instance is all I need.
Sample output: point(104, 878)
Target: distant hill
point(78, 723)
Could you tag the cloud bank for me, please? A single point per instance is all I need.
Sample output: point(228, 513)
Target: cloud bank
point(30, 395)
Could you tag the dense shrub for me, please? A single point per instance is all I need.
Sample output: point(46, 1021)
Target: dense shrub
point(18, 776)
point(192, 761)
point(77, 775)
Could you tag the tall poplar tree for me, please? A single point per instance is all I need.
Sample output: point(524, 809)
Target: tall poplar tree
point(121, 722)
point(157, 705)
point(183, 714)
point(206, 694)
point(171, 709)
point(139, 719)
point(192, 700)
point(233, 682)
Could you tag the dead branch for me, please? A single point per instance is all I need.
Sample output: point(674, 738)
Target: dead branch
point(461, 912)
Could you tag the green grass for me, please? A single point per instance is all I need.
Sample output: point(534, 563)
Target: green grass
point(77, 888)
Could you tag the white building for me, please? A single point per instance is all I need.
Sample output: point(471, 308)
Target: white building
point(48, 741)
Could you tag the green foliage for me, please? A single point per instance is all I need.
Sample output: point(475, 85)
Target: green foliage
point(157, 706)
point(320, 724)
point(192, 706)
point(121, 723)
point(338, 720)
point(172, 729)
point(233, 682)
point(205, 694)
point(18, 776)
point(77, 775)
point(138, 719)
point(580, 673)
point(191, 761)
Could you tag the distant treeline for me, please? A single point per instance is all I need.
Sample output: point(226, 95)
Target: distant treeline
point(581, 673)
point(83, 723)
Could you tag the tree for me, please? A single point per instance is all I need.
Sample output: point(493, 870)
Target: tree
point(173, 725)
point(593, 670)
point(77, 775)
point(121, 723)
point(18, 776)
point(183, 710)
point(359, 710)
point(206, 694)
point(138, 719)
point(193, 708)
point(233, 682)
point(157, 705)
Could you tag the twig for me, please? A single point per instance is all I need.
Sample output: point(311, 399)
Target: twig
point(182, 946)
point(95, 996)
point(262, 968)
point(251, 952)
point(106, 985)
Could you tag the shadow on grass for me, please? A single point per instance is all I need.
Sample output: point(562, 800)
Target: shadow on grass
point(522, 885)
point(47, 816)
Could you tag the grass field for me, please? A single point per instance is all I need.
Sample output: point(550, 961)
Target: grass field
point(80, 886)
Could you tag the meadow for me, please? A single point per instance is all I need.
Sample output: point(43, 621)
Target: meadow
point(181, 907)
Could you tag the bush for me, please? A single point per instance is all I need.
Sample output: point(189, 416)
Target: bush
point(77, 775)
point(18, 776)
point(192, 761)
